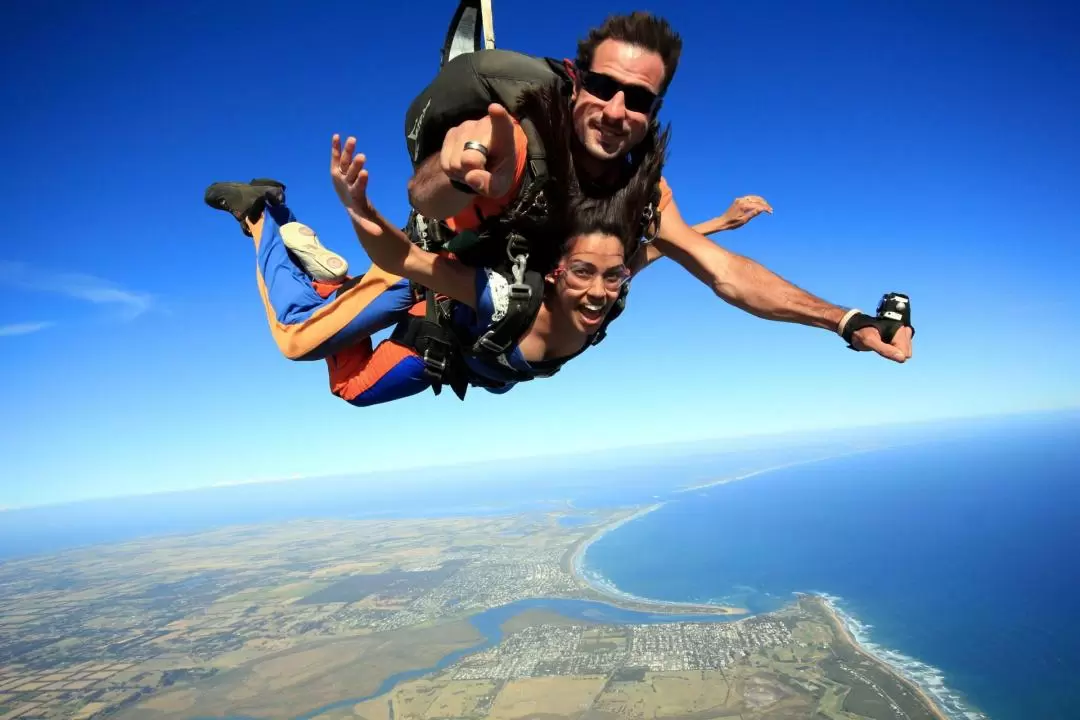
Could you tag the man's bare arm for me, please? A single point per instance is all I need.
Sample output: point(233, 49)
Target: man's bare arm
point(742, 211)
point(431, 193)
point(741, 281)
point(650, 253)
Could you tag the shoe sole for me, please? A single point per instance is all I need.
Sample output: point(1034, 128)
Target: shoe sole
point(318, 262)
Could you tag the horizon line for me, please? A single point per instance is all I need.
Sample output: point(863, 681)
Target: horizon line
point(634, 446)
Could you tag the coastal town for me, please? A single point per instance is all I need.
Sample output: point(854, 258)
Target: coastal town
point(272, 621)
point(629, 649)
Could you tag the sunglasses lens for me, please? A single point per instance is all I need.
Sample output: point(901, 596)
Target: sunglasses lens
point(599, 85)
point(638, 99)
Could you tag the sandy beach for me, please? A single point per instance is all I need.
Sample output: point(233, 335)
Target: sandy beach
point(846, 636)
point(613, 596)
point(774, 468)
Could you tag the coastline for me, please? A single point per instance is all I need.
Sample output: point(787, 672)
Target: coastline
point(605, 592)
point(845, 635)
point(773, 468)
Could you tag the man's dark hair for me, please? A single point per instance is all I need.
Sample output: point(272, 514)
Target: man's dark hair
point(638, 28)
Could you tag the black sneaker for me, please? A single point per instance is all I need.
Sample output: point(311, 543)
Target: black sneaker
point(242, 200)
point(276, 190)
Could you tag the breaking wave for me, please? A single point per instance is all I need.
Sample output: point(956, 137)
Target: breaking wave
point(929, 679)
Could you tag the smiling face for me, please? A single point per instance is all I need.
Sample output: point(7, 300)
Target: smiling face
point(587, 280)
point(612, 100)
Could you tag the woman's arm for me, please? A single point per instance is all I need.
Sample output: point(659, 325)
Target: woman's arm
point(742, 210)
point(385, 244)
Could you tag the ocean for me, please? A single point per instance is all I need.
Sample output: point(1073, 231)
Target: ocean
point(951, 556)
point(953, 560)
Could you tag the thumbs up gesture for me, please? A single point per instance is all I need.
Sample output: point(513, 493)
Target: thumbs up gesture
point(482, 153)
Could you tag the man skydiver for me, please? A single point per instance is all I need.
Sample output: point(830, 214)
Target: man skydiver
point(466, 149)
point(574, 287)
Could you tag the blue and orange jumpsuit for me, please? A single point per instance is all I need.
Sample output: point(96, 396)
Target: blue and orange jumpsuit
point(310, 320)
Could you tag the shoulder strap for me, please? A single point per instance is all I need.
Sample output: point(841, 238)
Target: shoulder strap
point(524, 304)
point(536, 154)
point(441, 346)
point(650, 218)
point(435, 343)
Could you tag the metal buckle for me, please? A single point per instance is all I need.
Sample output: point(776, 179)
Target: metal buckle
point(518, 268)
point(488, 344)
point(517, 247)
point(435, 367)
point(650, 228)
point(520, 292)
point(418, 231)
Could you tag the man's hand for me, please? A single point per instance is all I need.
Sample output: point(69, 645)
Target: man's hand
point(898, 350)
point(350, 180)
point(745, 209)
point(490, 174)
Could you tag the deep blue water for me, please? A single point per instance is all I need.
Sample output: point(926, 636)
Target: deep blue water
point(960, 554)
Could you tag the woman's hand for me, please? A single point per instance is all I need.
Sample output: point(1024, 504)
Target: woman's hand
point(745, 209)
point(350, 180)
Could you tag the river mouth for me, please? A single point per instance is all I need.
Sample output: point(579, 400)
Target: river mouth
point(490, 624)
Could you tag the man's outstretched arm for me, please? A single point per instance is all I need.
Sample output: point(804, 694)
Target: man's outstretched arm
point(750, 286)
point(742, 210)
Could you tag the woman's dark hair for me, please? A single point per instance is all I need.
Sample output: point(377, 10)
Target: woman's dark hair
point(574, 209)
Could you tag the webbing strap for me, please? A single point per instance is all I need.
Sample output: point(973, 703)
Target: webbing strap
point(535, 154)
point(524, 303)
point(650, 219)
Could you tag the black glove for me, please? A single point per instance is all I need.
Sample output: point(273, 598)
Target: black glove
point(893, 313)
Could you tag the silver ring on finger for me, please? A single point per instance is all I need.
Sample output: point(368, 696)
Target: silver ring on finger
point(478, 147)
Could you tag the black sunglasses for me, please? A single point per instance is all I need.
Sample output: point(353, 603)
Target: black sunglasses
point(605, 87)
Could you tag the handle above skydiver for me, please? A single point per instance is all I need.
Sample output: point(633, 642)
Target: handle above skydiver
point(471, 29)
point(893, 313)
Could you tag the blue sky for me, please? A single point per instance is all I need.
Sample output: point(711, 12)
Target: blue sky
point(922, 147)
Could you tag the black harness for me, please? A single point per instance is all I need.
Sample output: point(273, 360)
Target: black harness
point(444, 346)
point(503, 244)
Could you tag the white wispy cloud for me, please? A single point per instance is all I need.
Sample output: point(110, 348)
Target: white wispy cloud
point(81, 286)
point(23, 328)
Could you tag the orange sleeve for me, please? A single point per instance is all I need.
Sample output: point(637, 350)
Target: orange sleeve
point(665, 195)
point(469, 218)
